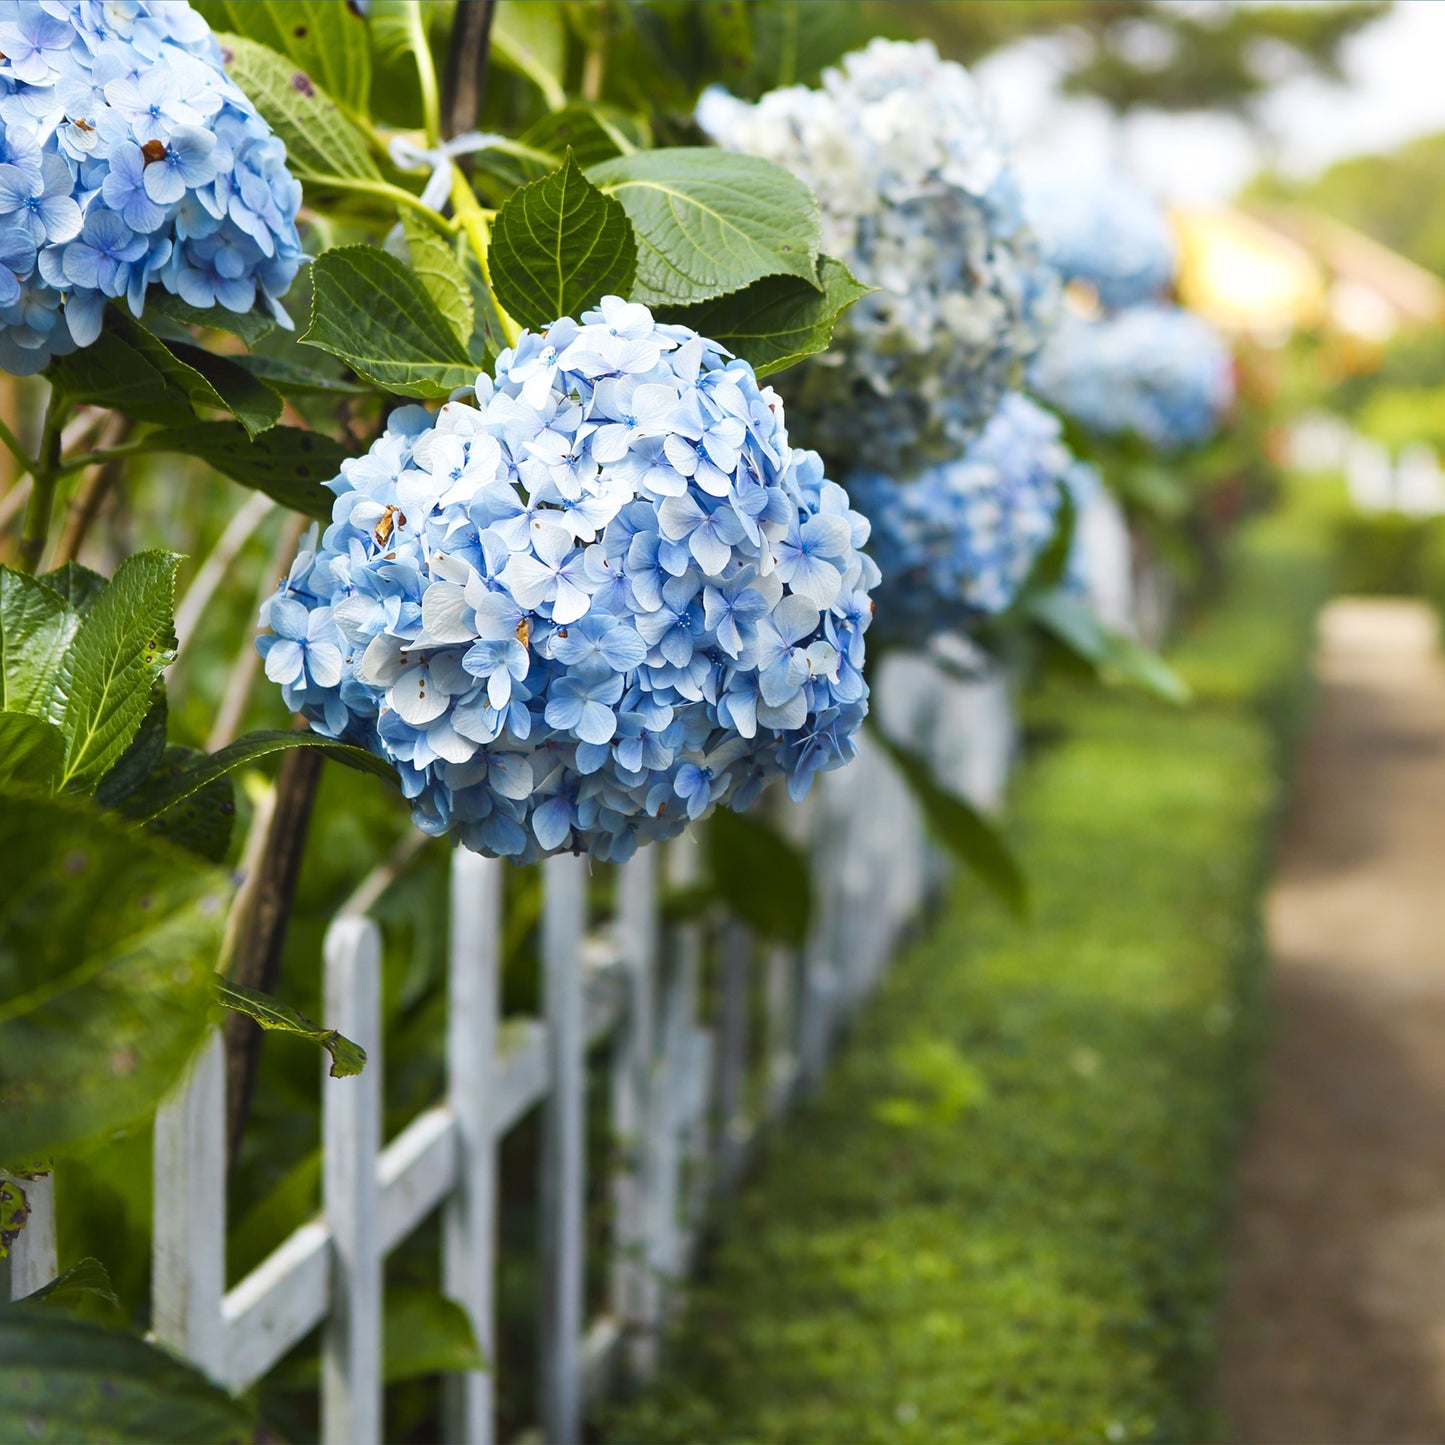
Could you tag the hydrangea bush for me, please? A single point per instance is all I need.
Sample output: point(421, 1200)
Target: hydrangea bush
point(128, 159)
point(591, 607)
point(1159, 373)
point(918, 197)
point(956, 544)
point(1104, 229)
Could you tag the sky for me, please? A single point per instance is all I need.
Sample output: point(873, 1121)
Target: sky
point(1393, 91)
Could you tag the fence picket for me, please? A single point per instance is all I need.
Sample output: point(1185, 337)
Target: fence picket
point(188, 1273)
point(634, 1288)
point(564, 919)
point(351, 1394)
point(33, 1261)
point(469, 1220)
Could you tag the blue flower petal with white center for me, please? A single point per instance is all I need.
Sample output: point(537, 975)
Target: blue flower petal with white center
point(570, 642)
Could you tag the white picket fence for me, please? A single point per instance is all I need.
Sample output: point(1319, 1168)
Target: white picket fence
point(684, 1097)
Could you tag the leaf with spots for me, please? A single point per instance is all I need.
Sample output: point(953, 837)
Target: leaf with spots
point(322, 145)
point(121, 648)
point(108, 941)
point(347, 1058)
point(64, 1378)
point(288, 463)
point(14, 1213)
point(326, 39)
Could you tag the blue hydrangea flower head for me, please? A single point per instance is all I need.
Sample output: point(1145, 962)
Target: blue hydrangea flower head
point(129, 159)
point(1155, 372)
point(918, 197)
point(1102, 228)
point(593, 606)
point(955, 544)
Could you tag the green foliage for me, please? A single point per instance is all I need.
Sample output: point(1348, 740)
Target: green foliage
point(1207, 61)
point(531, 39)
point(709, 222)
point(972, 839)
point(347, 1057)
point(87, 1279)
point(107, 942)
point(1394, 197)
point(1002, 1217)
point(322, 146)
point(558, 247)
point(377, 316)
point(778, 320)
point(289, 464)
point(434, 260)
point(1116, 657)
point(103, 683)
point(763, 879)
point(66, 1379)
point(327, 41)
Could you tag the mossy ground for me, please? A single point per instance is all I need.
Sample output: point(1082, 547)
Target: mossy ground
point(1001, 1218)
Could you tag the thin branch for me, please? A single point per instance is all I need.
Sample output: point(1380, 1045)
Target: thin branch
point(464, 87)
point(35, 531)
point(212, 572)
point(257, 960)
point(370, 889)
point(14, 500)
point(91, 495)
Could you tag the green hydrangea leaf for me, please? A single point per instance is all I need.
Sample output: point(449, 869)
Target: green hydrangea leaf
point(347, 1057)
point(327, 40)
point(288, 463)
point(37, 624)
point(709, 222)
point(369, 309)
point(31, 750)
point(779, 320)
point(434, 261)
point(558, 246)
point(119, 650)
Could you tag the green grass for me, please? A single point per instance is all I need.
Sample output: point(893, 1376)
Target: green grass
point(1001, 1218)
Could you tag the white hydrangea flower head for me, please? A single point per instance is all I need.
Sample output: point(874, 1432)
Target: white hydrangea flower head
point(918, 197)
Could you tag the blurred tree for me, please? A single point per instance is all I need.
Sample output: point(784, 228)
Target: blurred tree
point(1135, 54)
point(1396, 197)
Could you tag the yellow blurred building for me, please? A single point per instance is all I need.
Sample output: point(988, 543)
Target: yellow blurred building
point(1269, 271)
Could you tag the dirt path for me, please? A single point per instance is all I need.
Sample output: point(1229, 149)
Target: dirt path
point(1336, 1322)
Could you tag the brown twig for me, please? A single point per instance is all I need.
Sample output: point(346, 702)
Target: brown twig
point(91, 495)
point(465, 82)
point(257, 962)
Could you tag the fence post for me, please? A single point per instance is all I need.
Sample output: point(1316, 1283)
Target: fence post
point(564, 1122)
point(33, 1257)
point(188, 1276)
point(469, 1219)
point(635, 1296)
point(351, 1395)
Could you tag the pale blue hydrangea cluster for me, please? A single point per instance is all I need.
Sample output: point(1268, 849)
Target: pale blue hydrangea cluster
point(1104, 229)
point(127, 159)
point(918, 197)
point(1159, 373)
point(955, 544)
point(590, 608)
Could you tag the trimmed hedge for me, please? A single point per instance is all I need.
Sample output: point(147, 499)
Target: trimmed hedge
point(1001, 1219)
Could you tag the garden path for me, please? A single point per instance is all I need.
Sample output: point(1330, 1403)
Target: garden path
point(1335, 1329)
